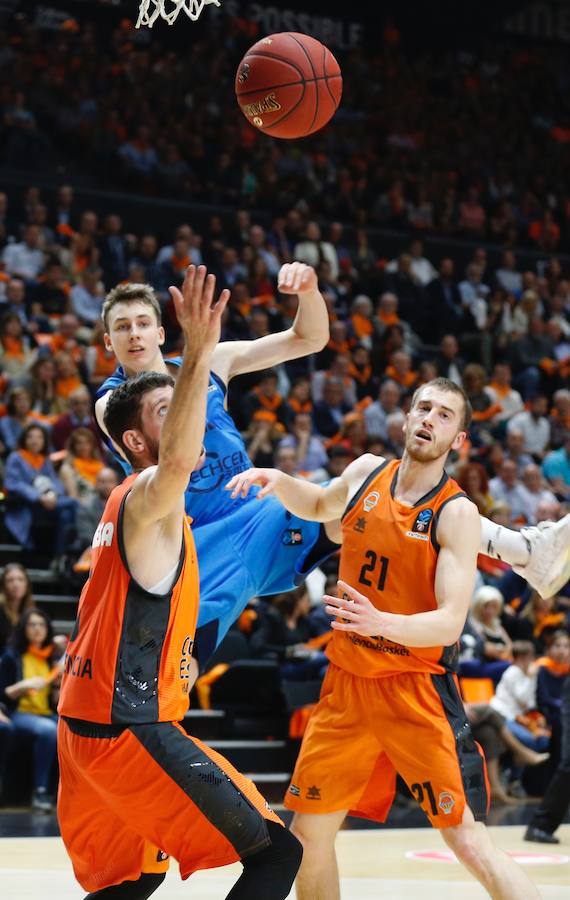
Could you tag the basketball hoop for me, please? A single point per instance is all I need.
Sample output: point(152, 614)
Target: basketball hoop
point(150, 10)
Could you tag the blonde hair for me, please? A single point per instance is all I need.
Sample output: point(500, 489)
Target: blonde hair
point(483, 595)
point(131, 293)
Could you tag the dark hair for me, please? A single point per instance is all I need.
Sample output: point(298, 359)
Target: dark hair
point(445, 384)
point(81, 432)
point(522, 648)
point(123, 410)
point(19, 640)
point(13, 395)
point(24, 436)
point(464, 472)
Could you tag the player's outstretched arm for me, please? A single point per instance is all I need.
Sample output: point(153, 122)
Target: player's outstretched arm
point(458, 534)
point(302, 498)
point(308, 334)
point(160, 489)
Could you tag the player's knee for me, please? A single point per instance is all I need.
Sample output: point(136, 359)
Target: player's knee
point(313, 834)
point(465, 843)
point(276, 866)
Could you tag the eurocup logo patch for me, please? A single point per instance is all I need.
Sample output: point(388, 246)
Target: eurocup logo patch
point(423, 520)
point(371, 500)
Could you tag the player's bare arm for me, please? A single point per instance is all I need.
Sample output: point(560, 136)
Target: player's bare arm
point(314, 502)
point(155, 506)
point(308, 334)
point(458, 535)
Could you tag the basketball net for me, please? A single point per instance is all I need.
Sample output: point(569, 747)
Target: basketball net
point(150, 10)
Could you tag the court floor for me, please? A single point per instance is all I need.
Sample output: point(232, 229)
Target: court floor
point(410, 863)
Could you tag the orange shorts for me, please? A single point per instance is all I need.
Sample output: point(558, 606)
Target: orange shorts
point(130, 799)
point(364, 731)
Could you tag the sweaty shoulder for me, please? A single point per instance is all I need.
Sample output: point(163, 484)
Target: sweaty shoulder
point(458, 522)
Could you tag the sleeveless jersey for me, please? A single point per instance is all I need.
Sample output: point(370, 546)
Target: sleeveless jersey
point(389, 553)
point(226, 456)
point(128, 659)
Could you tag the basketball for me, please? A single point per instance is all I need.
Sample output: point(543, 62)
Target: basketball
point(288, 85)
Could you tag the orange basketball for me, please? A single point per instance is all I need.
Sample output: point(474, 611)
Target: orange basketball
point(288, 85)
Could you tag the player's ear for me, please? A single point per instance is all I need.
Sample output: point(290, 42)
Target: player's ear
point(459, 440)
point(134, 440)
point(107, 342)
point(161, 336)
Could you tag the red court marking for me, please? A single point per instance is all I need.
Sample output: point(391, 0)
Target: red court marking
point(523, 857)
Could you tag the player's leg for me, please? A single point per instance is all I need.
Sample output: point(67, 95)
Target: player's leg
point(540, 554)
point(501, 877)
point(318, 876)
point(270, 872)
point(141, 889)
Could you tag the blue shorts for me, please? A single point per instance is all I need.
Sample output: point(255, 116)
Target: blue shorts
point(260, 549)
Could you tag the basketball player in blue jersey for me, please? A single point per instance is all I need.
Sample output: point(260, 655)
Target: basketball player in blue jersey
point(247, 549)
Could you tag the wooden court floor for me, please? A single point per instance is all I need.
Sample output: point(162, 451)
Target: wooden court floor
point(388, 864)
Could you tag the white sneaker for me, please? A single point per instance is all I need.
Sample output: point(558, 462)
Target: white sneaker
point(548, 568)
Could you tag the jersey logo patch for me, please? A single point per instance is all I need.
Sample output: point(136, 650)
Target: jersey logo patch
point(293, 789)
point(423, 520)
point(371, 500)
point(446, 802)
point(360, 525)
point(292, 537)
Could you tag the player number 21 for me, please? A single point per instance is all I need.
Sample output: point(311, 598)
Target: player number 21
point(370, 568)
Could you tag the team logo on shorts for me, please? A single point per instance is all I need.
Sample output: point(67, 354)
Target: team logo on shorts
point(161, 856)
point(371, 500)
point(292, 537)
point(313, 793)
point(446, 802)
point(293, 789)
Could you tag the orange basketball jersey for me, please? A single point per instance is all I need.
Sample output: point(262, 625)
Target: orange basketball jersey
point(128, 660)
point(389, 554)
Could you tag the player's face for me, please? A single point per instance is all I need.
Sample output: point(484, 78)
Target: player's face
point(134, 336)
point(433, 426)
point(155, 405)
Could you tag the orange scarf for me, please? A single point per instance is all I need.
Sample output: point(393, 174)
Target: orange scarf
point(405, 380)
point(180, 265)
point(105, 362)
point(88, 469)
point(343, 347)
point(389, 318)
point(270, 403)
point(363, 327)
point(40, 652)
point(556, 668)
point(35, 460)
point(65, 386)
point(298, 407)
point(363, 376)
point(550, 620)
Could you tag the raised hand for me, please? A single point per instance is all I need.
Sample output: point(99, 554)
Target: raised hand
point(240, 484)
point(297, 278)
point(199, 319)
point(358, 614)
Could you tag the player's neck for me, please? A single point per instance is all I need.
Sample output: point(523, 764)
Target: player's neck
point(157, 364)
point(416, 479)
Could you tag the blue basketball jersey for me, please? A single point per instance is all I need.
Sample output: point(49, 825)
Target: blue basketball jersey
point(226, 456)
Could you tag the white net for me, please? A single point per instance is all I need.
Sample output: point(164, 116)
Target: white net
point(150, 10)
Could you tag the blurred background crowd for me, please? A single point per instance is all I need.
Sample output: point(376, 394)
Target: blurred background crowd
point(465, 161)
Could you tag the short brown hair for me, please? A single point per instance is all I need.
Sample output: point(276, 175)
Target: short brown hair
point(123, 410)
point(522, 648)
point(131, 293)
point(445, 384)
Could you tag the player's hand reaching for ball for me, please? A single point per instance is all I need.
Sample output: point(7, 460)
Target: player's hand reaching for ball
point(297, 278)
point(199, 318)
point(357, 613)
point(240, 484)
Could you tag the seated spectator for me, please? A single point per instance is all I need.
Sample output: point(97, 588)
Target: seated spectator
point(262, 438)
point(535, 489)
point(19, 414)
point(114, 250)
point(484, 411)
point(534, 426)
point(448, 313)
point(100, 361)
point(89, 514)
point(138, 155)
point(36, 495)
point(527, 353)
point(559, 418)
point(78, 416)
point(42, 385)
point(16, 353)
point(266, 397)
point(506, 487)
point(376, 414)
point(553, 669)
point(283, 632)
point(395, 442)
point(507, 275)
point(540, 618)
point(400, 370)
point(486, 646)
point(52, 290)
point(339, 457)
point(310, 450)
point(361, 323)
point(87, 296)
point(449, 363)
point(339, 369)
point(312, 249)
point(352, 434)
point(556, 468)
point(474, 294)
point(286, 460)
point(515, 697)
point(361, 373)
point(28, 669)
point(67, 379)
point(515, 450)
point(15, 599)
point(329, 413)
point(79, 470)
point(299, 397)
point(67, 338)
point(472, 477)
point(472, 216)
point(25, 259)
point(15, 301)
point(502, 394)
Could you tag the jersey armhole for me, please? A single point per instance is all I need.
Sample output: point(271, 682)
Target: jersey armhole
point(352, 502)
point(433, 534)
point(219, 382)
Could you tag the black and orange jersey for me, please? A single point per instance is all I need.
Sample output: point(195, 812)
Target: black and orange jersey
point(128, 659)
point(389, 553)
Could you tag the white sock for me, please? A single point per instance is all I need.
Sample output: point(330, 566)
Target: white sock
point(503, 543)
